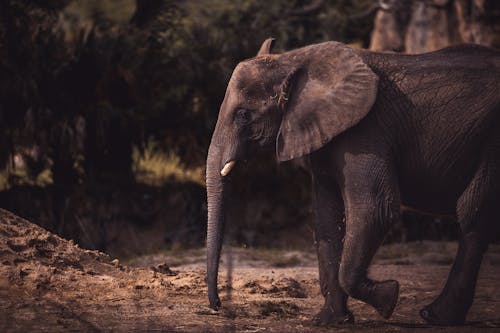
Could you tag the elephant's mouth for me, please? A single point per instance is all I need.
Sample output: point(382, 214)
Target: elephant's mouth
point(227, 168)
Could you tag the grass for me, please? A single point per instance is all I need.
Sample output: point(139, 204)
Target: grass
point(154, 167)
point(19, 176)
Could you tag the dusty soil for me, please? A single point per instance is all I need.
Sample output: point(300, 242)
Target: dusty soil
point(50, 284)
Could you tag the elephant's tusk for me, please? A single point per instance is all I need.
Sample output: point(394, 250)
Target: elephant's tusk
point(227, 168)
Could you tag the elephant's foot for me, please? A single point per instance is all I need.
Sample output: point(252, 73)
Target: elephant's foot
point(443, 313)
point(384, 297)
point(327, 316)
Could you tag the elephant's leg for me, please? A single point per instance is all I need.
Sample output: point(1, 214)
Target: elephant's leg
point(476, 213)
point(372, 206)
point(330, 230)
point(452, 305)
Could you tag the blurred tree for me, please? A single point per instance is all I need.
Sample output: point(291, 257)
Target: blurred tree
point(416, 26)
point(479, 21)
point(65, 83)
point(391, 22)
point(31, 60)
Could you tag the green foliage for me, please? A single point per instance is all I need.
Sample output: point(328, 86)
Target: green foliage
point(84, 82)
point(153, 166)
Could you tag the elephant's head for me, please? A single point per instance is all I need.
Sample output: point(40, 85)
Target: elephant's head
point(296, 102)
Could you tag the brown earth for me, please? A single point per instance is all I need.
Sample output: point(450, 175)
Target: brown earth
point(50, 284)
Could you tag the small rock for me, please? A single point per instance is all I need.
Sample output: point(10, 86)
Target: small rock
point(206, 311)
point(115, 262)
point(164, 269)
point(139, 286)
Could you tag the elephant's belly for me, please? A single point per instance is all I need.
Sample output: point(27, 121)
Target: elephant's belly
point(437, 194)
point(429, 202)
point(434, 175)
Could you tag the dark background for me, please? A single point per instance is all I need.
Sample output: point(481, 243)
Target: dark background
point(107, 108)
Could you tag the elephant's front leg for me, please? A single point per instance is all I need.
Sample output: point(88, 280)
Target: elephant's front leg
point(330, 231)
point(372, 206)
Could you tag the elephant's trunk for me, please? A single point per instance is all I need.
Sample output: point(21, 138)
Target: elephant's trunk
point(216, 196)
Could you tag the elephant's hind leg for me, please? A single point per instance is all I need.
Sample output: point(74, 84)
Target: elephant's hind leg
point(330, 230)
point(452, 305)
point(477, 213)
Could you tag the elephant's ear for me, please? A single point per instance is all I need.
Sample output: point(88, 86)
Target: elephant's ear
point(329, 91)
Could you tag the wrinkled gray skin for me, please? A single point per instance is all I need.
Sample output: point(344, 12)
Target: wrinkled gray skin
point(380, 130)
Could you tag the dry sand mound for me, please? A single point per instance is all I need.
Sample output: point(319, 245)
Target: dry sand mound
point(48, 283)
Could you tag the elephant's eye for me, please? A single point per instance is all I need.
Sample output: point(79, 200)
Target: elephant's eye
point(242, 117)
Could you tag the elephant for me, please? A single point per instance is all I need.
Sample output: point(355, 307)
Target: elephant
point(379, 131)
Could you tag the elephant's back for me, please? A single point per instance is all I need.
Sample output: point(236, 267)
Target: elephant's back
point(438, 108)
point(458, 84)
point(463, 55)
point(473, 54)
point(467, 64)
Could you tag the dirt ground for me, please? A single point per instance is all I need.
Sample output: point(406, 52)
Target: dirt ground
point(50, 284)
